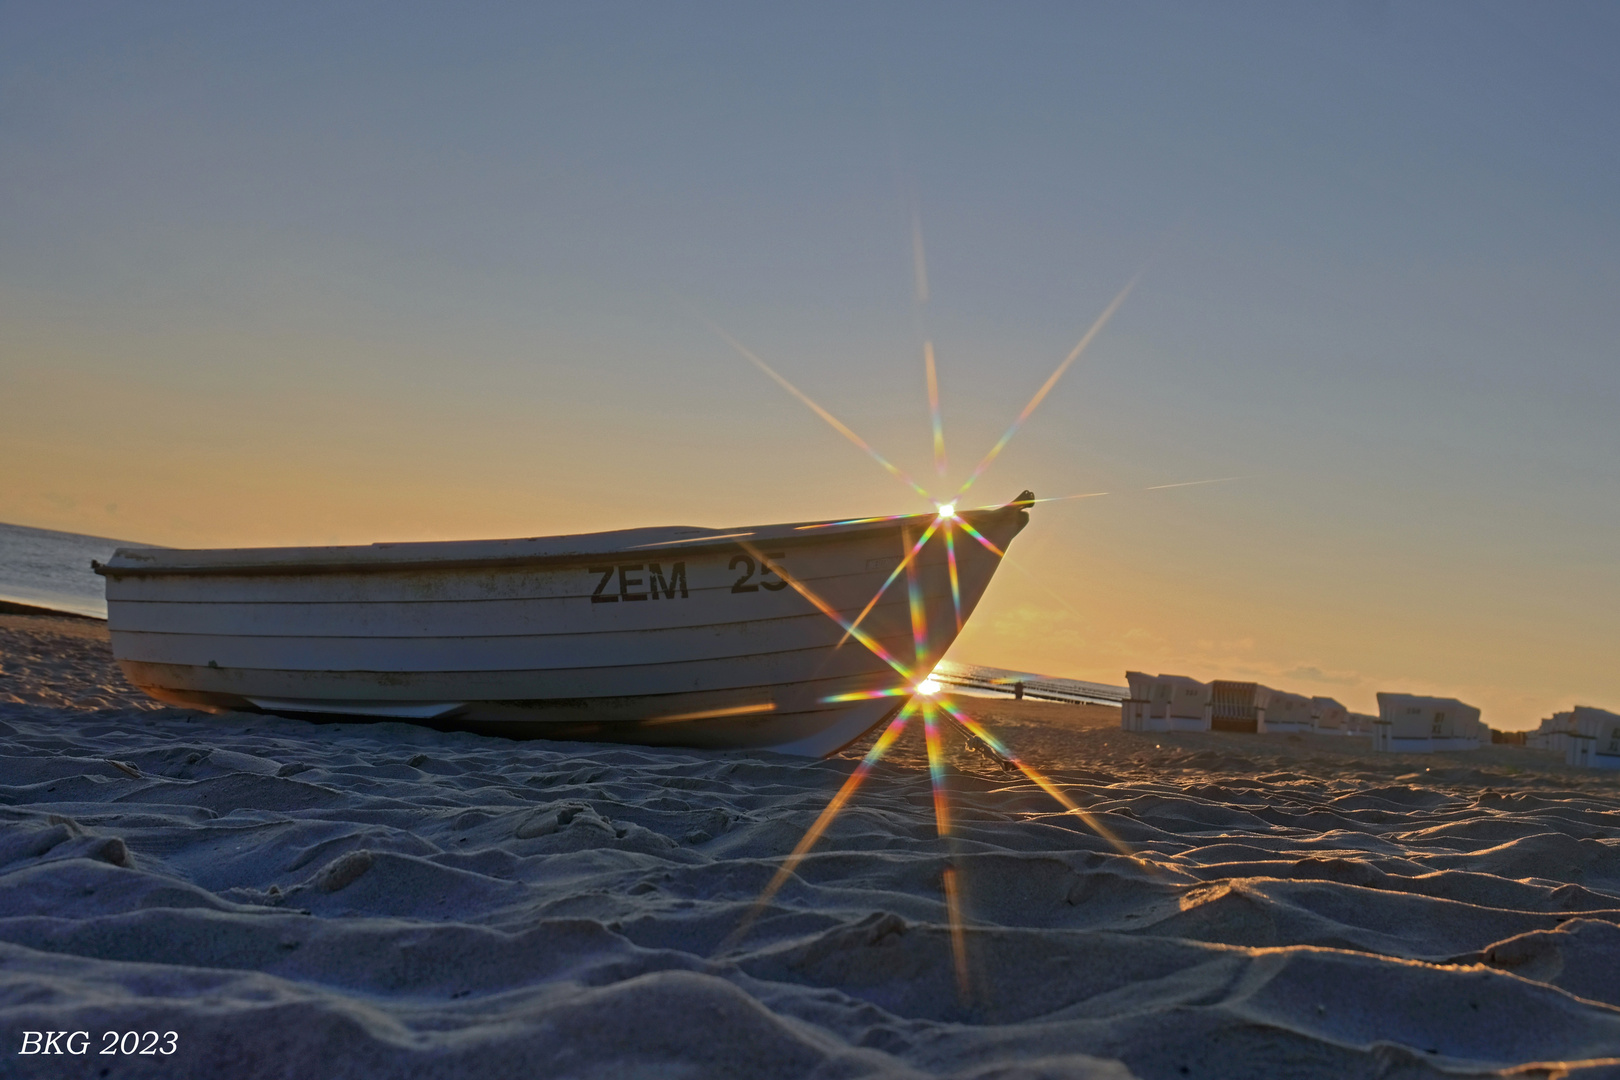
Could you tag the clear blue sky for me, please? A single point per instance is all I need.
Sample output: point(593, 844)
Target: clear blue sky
point(287, 273)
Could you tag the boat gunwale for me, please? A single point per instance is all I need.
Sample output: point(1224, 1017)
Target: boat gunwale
point(774, 535)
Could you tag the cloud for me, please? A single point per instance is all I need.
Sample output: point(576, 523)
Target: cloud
point(1315, 674)
point(1027, 625)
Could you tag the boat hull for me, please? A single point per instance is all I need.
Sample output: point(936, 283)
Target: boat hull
point(737, 639)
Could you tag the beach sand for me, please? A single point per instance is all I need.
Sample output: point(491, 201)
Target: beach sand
point(384, 900)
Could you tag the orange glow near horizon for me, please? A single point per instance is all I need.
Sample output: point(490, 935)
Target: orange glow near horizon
point(109, 442)
point(234, 316)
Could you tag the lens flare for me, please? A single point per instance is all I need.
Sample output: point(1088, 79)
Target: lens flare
point(1046, 388)
point(942, 826)
point(1041, 781)
point(936, 767)
point(980, 537)
point(940, 464)
point(837, 424)
point(926, 693)
point(813, 834)
point(904, 567)
point(868, 695)
point(711, 714)
point(953, 912)
point(956, 582)
point(919, 612)
point(850, 630)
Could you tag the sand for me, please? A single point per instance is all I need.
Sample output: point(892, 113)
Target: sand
point(369, 900)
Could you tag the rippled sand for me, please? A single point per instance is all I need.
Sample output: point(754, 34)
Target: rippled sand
point(385, 900)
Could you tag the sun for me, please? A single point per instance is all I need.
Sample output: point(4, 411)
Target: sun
point(927, 695)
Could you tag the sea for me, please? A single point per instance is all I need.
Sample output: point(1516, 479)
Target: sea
point(48, 569)
point(981, 681)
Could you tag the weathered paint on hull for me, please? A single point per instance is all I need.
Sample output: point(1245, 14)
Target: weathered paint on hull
point(709, 643)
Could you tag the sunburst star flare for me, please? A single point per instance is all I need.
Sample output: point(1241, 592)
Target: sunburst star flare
point(1046, 387)
point(833, 421)
point(893, 732)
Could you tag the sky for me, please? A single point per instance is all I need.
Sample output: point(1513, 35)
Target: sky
point(340, 273)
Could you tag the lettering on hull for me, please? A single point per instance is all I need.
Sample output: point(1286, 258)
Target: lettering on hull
point(631, 582)
point(632, 585)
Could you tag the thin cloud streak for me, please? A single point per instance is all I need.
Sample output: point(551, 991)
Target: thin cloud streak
point(1194, 483)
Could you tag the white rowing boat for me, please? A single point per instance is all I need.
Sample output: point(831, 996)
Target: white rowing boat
point(683, 636)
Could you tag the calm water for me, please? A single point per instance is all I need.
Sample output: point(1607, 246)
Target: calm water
point(1049, 686)
point(52, 569)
